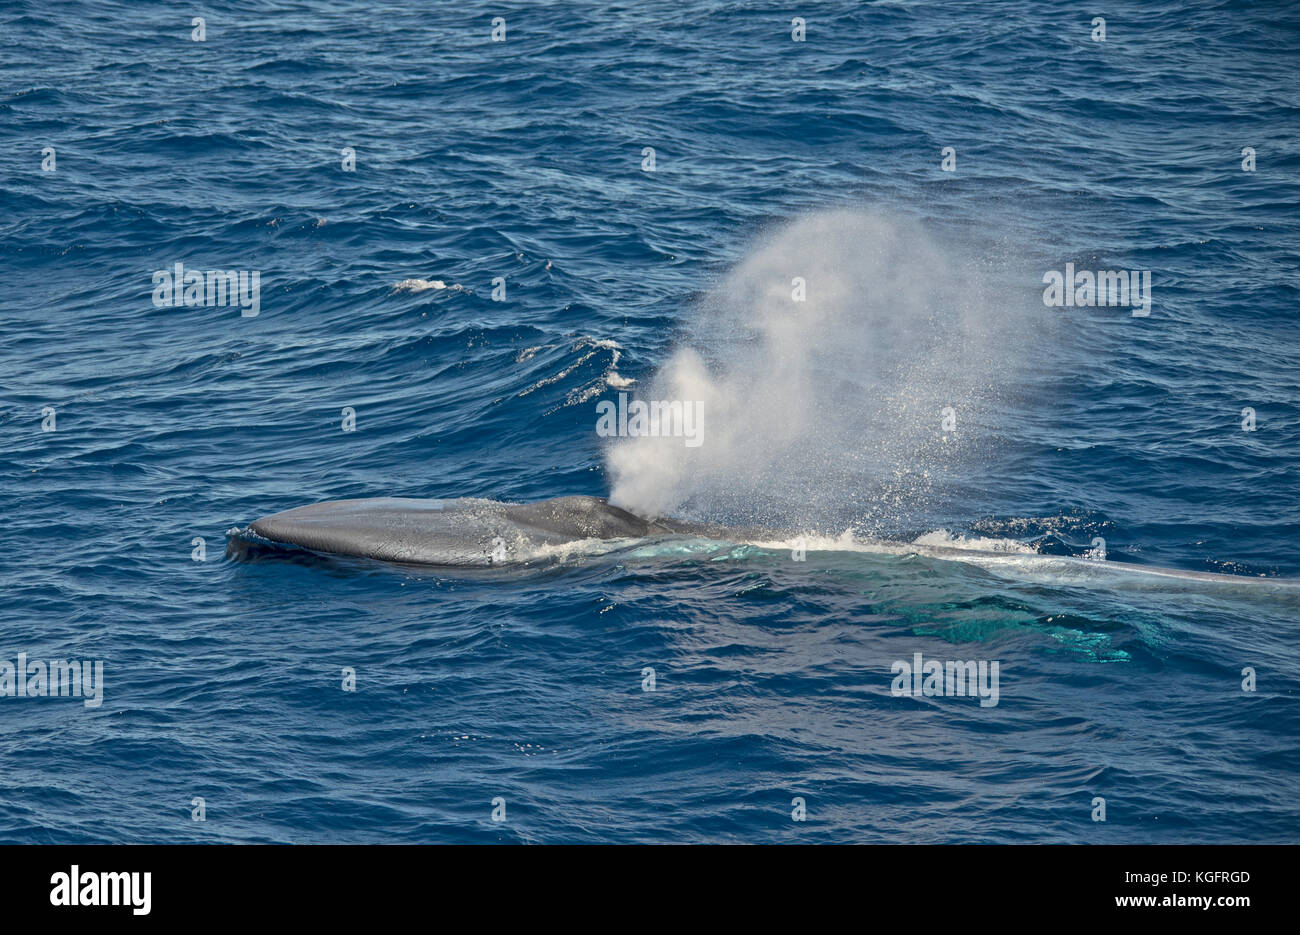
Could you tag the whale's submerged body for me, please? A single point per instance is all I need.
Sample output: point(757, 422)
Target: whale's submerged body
point(470, 532)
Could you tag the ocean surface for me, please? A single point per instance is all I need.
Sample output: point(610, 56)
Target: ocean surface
point(641, 184)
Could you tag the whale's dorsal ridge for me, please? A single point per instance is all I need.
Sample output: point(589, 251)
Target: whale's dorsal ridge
point(582, 517)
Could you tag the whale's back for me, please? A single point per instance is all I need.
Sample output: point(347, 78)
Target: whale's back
point(473, 532)
point(463, 531)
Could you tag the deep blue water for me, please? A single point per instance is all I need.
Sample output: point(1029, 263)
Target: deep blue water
point(523, 159)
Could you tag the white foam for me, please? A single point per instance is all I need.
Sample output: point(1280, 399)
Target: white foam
point(942, 538)
point(421, 285)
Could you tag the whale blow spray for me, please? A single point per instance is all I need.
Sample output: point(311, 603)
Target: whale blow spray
point(850, 367)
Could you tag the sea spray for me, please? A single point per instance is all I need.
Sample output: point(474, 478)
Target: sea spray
point(850, 366)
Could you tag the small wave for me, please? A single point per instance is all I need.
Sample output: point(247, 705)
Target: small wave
point(529, 353)
point(587, 348)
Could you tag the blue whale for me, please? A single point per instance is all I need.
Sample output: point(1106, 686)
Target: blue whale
point(463, 531)
point(471, 532)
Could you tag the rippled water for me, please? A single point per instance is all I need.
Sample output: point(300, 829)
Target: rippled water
point(523, 159)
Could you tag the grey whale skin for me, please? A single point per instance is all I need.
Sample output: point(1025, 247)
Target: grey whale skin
point(465, 531)
point(456, 532)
